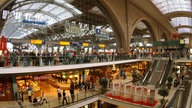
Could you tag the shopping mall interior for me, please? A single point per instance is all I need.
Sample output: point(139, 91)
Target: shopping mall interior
point(95, 53)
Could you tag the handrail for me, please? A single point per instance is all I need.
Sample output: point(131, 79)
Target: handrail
point(55, 103)
point(163, 72)
point(149, 70)
point(19, 60)
point(154, 69)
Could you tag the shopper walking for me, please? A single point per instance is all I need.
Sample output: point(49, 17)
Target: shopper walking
point(30, 93)
point(64, 97)
point(43, 98)
point(59, 93)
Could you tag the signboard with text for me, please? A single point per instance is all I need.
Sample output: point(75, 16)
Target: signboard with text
point(39, 42)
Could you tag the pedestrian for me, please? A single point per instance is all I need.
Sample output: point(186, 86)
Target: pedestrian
point(30, 93)
point(72, 95)
point(64, 97)
point(21, 94)
point(59, 93)
point(43, 98)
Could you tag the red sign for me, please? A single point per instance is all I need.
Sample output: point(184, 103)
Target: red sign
point(175, 36)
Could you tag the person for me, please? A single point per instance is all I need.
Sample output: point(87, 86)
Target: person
point(64, 97)
point(35, 101)
point(21, 94)
point(43, 98)
point(29, 94)
point(59, 93)
point(72, 95)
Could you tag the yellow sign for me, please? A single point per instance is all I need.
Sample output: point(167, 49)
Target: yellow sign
point(85, 44)
point(101, 45)
point(36, 41)
point(187, 63)
point(64, 43)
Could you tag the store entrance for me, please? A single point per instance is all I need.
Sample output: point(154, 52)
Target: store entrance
point(6, 89)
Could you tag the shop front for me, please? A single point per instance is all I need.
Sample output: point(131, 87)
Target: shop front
point(6, 89)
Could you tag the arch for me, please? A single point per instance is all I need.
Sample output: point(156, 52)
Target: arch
point(178, 14)
point(113, 21)
point(37, 11)
point(185, 33)
point(148, 24)
point(183, 26)
point(23, 3)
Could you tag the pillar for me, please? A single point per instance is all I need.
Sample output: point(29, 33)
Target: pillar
point(52, 49)
point(83, 75)
point(15, 88)
point(58, 49)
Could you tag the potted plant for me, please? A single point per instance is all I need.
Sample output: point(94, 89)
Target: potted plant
point(103, 82)
point(163, 92)
point(169, 83)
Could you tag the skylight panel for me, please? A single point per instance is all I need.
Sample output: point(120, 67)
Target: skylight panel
point(37, 5)
point(168, 6)
point(57, 10)
point(179, 21)
point(65, 15)
point(184, 30)
point(26, 7)
point(49, 7)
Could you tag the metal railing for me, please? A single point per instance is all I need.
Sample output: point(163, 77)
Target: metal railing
point(55, 103)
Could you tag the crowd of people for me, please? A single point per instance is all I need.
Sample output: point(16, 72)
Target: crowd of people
point(33, 58)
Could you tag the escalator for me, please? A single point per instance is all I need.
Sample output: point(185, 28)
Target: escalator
point(186, 94)
point(158, 71)
point(147, 76)
point(166, 72)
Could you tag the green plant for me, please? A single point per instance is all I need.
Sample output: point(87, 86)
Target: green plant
point(170, 79)
point(163, 92)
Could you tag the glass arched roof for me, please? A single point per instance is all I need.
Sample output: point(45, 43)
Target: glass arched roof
point(169, 6)
point(28, 16)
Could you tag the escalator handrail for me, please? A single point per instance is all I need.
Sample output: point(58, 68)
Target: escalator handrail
point(154, 69)
point(163, 72)
point(168, 69)
point(149, 71)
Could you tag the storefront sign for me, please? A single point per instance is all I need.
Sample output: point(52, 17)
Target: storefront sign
point(39, 42)
point(64, 43)
point(41, 77)
point(85, 44)
point(188, 64)
point(101, 45)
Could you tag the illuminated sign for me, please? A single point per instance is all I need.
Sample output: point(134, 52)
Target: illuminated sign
point(37, 42)
point(64, 43)
point(85, 44)
point(187, 63)
point(101, 45)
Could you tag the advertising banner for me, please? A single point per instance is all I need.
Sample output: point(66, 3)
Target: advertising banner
point(152, 96)
point(145, 94)
point(138, 93)
point(116, 88)
point(127, 91)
